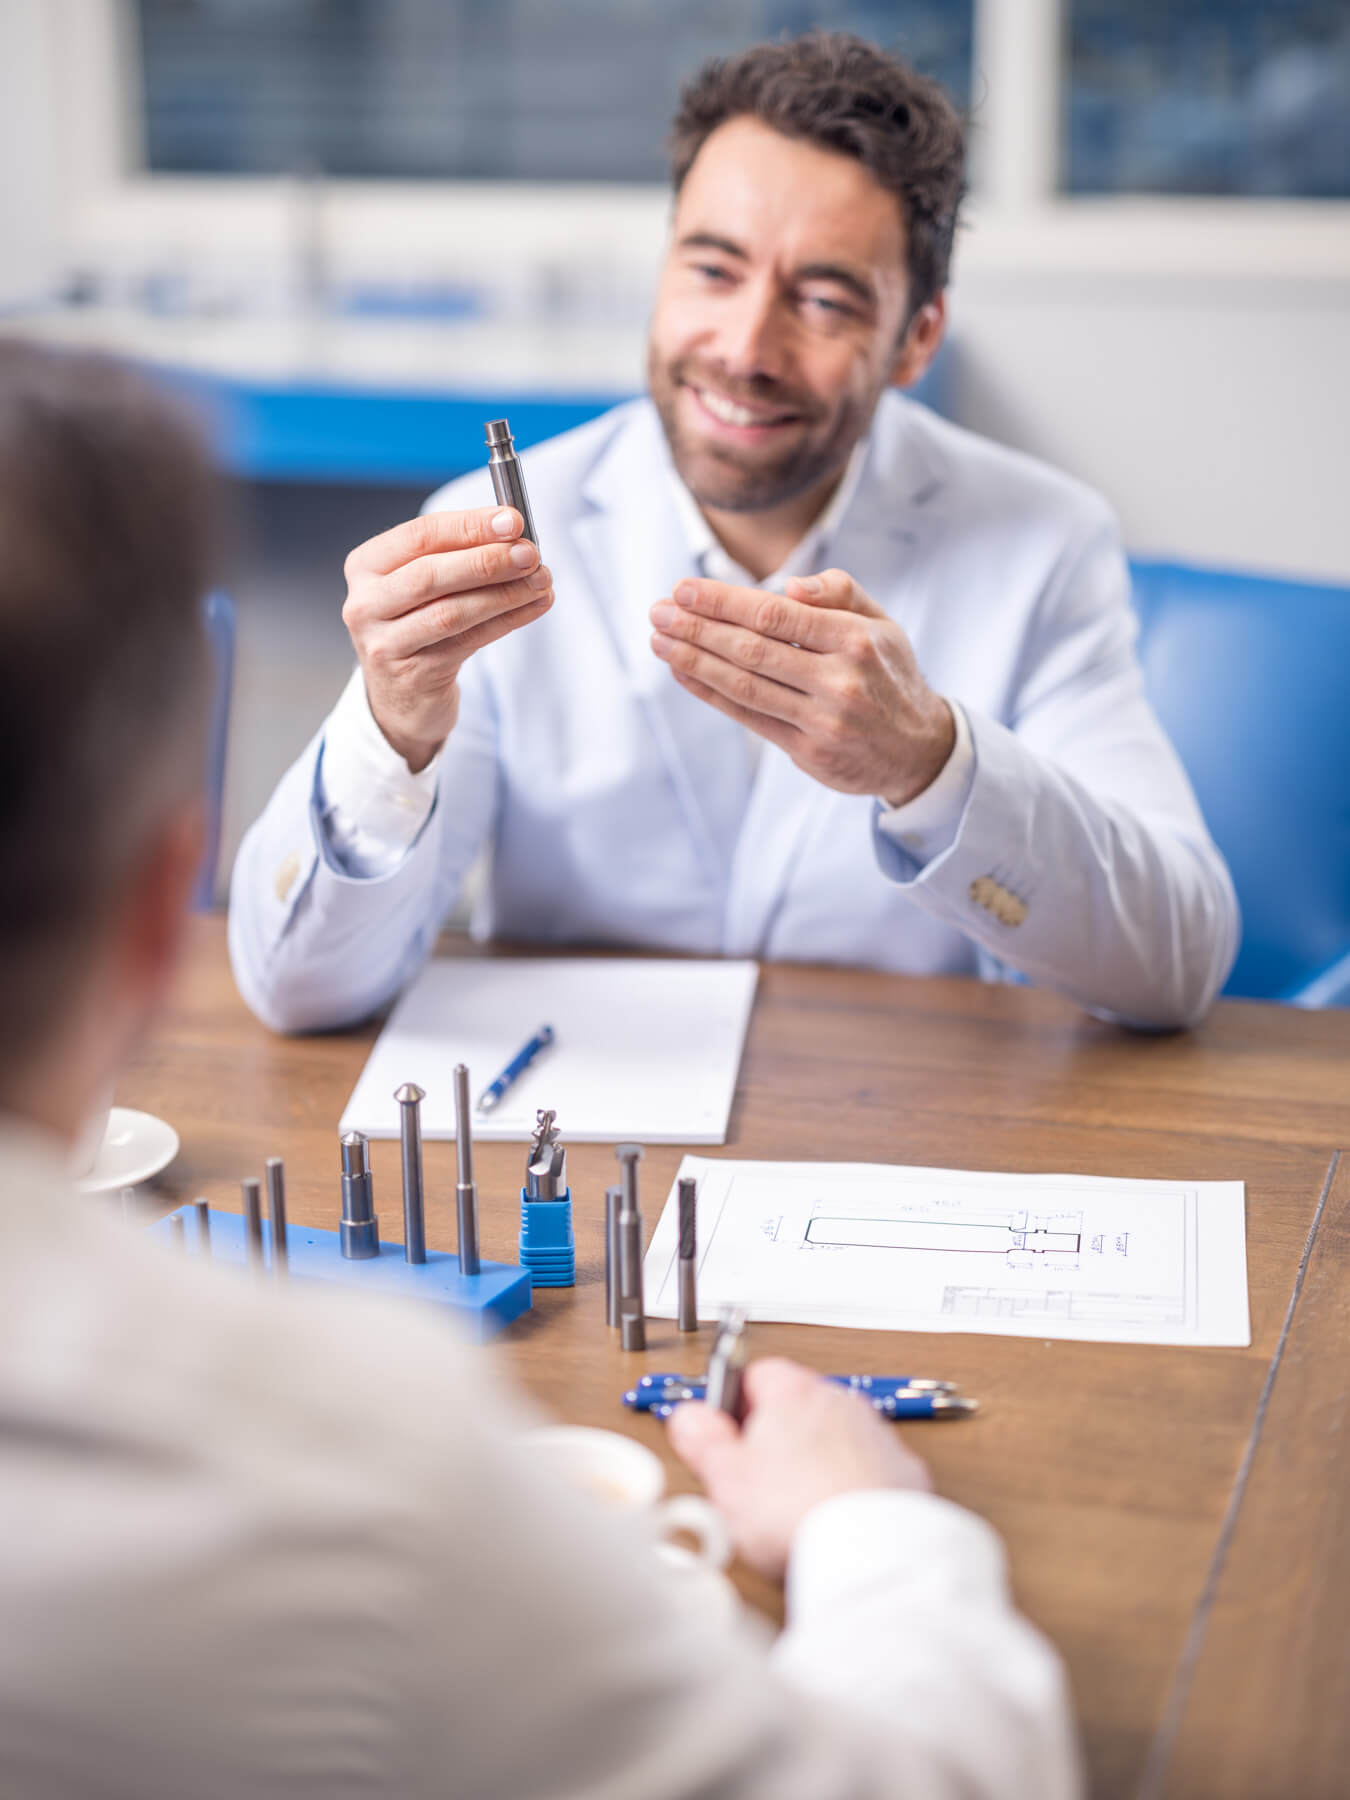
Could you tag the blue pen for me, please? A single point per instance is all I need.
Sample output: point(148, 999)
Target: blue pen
point(893, 1396)
point(661, 1402)
point(491, 1096)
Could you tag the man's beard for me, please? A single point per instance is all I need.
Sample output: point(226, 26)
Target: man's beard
point(722, 480)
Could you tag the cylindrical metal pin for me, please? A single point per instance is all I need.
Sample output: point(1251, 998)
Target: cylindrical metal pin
point(410, 1098)
point(358, 1229)
point(688, 1290)
point(466, 1193)
point(253, 1231)
point(612, 1198)
point(276, 1207)
point(632, 1307)
point(508, 478)
point(178, 1233)
point(203, 1212)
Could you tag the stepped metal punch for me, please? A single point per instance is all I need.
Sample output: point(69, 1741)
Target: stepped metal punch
point(358, 1229)
point(725, 1387)
point(508, 479)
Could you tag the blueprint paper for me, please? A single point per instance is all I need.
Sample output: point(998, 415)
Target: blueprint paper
point(909, 1249)
point(645, 1049)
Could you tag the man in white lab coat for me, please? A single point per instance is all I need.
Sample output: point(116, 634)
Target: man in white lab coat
point(825, 677)
point(262, 1543)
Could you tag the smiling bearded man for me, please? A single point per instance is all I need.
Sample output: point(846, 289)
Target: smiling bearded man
point(827, 678)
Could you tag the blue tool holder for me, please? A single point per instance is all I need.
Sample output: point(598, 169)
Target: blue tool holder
point(482, 1304)
point(547, 1247)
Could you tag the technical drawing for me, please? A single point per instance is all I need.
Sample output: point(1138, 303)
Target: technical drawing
point(1022, 1237)
point(1058, 1303)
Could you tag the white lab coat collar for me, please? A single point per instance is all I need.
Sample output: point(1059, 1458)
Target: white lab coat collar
point(810, 553)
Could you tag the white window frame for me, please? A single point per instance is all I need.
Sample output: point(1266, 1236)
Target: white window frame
point(1018, 226)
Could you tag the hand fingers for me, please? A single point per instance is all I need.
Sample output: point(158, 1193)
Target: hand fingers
point(448, 572)
point(799, 669)
point(769, 615)
point(787, 737)
point(705, 1439)
point(777, 1381)
point(456, 615)
point(459, 648)
point(834, 591)
point(748, 692)
point(431, 533)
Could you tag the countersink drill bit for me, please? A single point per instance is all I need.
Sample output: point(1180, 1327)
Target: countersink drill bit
point(632, 1308)
point(251, 1189)
point(466, 1191)
point(358, 1229)
point(410, 1098)
point(688, 1315)
point(276, 1206)
point(613, 1196)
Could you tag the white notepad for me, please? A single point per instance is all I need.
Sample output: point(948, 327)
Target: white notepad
point(887, 1248)
point(645, 1049)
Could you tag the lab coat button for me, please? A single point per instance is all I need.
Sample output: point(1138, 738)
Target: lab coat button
point(1005, 906)
point(284, 879)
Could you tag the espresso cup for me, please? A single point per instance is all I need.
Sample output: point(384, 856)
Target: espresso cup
point(624, 1475)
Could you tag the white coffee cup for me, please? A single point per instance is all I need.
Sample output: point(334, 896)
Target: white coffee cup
point(622, 1474)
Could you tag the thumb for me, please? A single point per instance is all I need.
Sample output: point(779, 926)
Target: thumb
point(702, 1436)
point(834, 590)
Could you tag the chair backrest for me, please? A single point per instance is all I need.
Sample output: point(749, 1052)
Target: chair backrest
point(218, 612)
point(1250, 676)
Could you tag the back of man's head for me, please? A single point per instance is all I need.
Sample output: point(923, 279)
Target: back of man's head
point(836, 90)
point(105, 508)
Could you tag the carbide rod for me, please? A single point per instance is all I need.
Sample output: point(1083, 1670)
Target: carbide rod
point(688, 1293)
point(632, 1308)
point(203, 1212)
point(276, 1207)
point(253, 1232)
point(410, 1098)
point(466, 1193)
point(612, 1198)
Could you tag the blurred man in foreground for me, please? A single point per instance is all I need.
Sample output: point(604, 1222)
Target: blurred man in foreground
point(261, 1544)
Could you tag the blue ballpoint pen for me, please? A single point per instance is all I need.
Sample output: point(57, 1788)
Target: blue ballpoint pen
point(491, 1095)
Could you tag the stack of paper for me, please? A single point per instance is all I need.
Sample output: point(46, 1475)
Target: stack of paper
point(644, 1049)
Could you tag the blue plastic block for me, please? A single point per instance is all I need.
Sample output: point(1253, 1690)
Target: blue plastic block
point(482, 1304)
point(547, 1247)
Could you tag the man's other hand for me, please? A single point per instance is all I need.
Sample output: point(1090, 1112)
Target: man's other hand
point(822, 672)
point(421, 599)
point(804, 1440)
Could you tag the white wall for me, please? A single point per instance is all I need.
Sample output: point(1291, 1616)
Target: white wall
point(1215, 415)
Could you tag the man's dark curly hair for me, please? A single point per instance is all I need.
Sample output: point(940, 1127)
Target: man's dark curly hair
point(837, 90)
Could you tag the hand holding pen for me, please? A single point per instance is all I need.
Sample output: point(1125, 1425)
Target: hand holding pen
point(804, 1440)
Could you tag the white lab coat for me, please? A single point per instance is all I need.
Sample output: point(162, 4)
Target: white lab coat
point(274, 1544)
point(623, 811)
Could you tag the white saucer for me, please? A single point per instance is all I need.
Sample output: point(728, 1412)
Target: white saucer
point(135, 1146)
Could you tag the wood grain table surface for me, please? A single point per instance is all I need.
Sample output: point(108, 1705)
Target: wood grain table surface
point(1178, 1520)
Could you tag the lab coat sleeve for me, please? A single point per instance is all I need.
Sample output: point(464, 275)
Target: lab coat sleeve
point(315, 947)
point(1081, 860)
point(904, 1671)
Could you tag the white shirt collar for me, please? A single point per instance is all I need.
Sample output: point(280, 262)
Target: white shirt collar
point(805, 557)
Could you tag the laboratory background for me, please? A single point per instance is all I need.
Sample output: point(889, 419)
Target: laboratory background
point(349, 231)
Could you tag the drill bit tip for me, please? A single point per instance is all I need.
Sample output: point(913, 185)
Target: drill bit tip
point(410, 1094)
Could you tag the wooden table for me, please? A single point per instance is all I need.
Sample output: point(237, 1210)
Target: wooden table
point(1177, 1519)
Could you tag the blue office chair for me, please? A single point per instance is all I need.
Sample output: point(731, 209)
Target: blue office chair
point(218, 612)
point(1250, 676)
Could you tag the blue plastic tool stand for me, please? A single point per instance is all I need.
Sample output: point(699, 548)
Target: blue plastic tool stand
point(547, 1247)
point(482, 1304)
